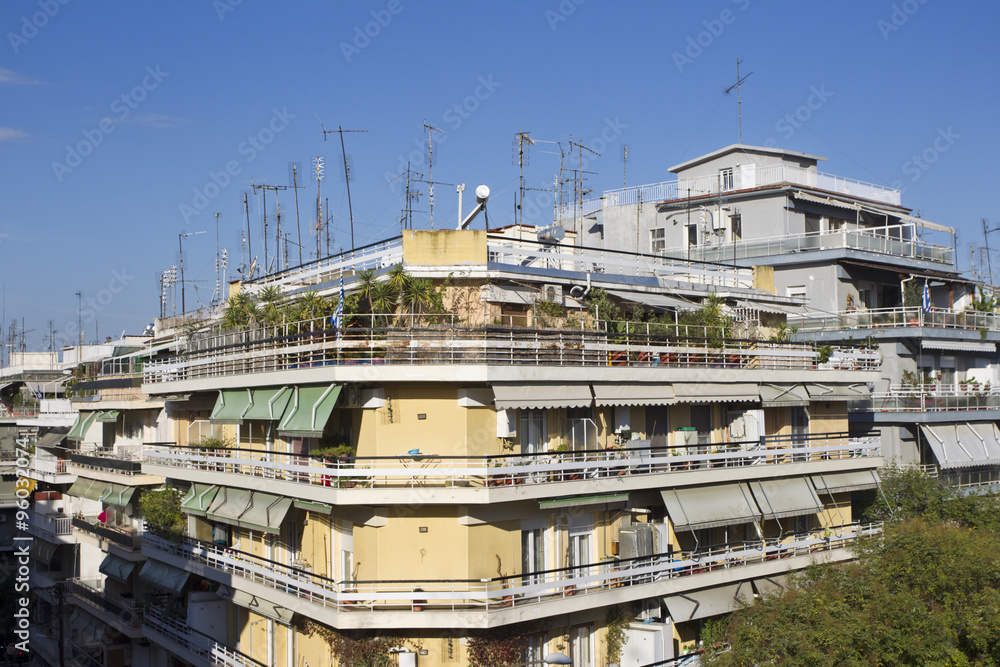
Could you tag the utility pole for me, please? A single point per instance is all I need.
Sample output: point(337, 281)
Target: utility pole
point(298, 225)
point(347, 171)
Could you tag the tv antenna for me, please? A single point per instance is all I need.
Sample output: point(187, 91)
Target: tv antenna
point(624, 165)
point(739, 99)
point(580, 190)
point(319, 171)
point(348, 174)
point(263, 187)
point(986, 239)
point(522, 142)
point(410, 196)
point(295, 168)
point(430, 168)
point(180, 246)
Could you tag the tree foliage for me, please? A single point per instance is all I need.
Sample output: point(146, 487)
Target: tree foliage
point(497, 647)
point(927, 592)
point(161, 508)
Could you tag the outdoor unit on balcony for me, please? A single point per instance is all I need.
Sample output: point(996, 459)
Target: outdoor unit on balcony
point(553, 292)
point(635, 541)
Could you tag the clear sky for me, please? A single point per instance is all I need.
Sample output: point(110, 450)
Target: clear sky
point(124, 124)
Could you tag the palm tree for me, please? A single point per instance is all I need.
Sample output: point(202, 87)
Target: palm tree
point(418, 294)
point(312, 302)
point(382, 299)
point(367, 280)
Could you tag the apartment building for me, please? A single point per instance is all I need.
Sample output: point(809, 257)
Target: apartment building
point(506, 469)
point(868, 268)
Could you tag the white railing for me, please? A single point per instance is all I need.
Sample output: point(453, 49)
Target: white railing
point(909, 316)
point(499, 593)
point(205, 647)
point(741, 179)
point(49, 466)
point(51, 525)
point(427, 470)
point(896, 240)
point(375, 256)
point(902, 399)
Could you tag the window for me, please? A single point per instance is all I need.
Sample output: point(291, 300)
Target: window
point(533, 645)
point(532, 431)
point(658, 239)
point(726, 179)
point(582, 650)
point(800, 429)
point(701, 420)
point(532, 554)
point(736, 227)
point(692, 233)
point(581, 431)
point(798, 291)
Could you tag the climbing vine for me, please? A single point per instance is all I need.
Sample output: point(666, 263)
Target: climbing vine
point(615, 638)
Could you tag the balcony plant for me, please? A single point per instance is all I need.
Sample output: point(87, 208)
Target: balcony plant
point(161, 509)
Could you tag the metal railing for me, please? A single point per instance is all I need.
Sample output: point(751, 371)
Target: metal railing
point(374, 256)
point(924, 400)
point(52, 525)
point(883, 318)
point(49, 466)
point(963, 478)
point(895, 240)
point(431, 470)
point(124, 459)
point(312, 343)
point(498, 593)
point(197, 642)
point(126, 538)
point(92, 592)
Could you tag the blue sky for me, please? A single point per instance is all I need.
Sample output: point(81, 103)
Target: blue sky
point(125, 124)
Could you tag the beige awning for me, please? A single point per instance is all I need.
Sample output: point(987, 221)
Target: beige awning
point(963, 445)
point(542, 396)
point(265, 513)
point(633, 394)
point(716, 392)
point(695, 605)
point(781, 498)
point(784, 395)
point(710, 506)
point(263, 607)
point(840, 482)
point(837, 392)
point(959, 345)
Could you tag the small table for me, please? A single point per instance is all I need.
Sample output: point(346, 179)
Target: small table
point(417, 462)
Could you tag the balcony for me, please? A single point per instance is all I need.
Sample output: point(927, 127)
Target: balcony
point(895, 241)
point(51, 527)
point(901, 399)
point(743, 180)
point(49, 470)
point(174, 634)
point(122, 460)
point(368, 342)
point(497, 594)
point(891, 318)
point(125, 615)
point(508, 470)
point(128, 538)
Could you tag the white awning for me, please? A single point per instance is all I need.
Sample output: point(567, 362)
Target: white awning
point(632, 394)
point(829, 201)
point(711, 392)
point(710, 506)
point(963, 445)
point(959, 345)
point(771, 585)
point(542, 396)
point(787, 309)
point(783, 395)
point(263, 607)
point(117, 568)
point(695, 605)
point(837, 392)
point(780, 498)
point(655, 300)
point(165, 576)
point(840, 482)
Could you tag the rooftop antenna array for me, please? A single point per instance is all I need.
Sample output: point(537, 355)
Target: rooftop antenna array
point(410, 196)
point(180, 246)
point(986, 239)
point(319, 171)
point(221, 264)
point(430, 169)
point(739, 98)
point(522, 142)
point(294, 169)
point(167, 280)
point(624, 165)
point(263, 187)
point(348, 173)
point(579, 187)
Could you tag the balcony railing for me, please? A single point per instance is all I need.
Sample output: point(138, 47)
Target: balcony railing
point(962, 477)
point(499, 593)
point(195, 642)
point(885, 318)
point(450, 471)
point(312, 343)
point(126, 538)
point(921, 400)
point(49, 525)
point(91, 591)
point(895, 240)
point(123, 459)
point(49, 466)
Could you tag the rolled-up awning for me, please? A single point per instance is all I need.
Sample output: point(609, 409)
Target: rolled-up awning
point(261, 606)
point(840, 482)
point(781, 498)
point(43, 551)
point(81, 425)
point(308, 411)
point(710, 506)
point(51, 439)
point(108, 415)
point(542, 396)
point(117, 568)
point(230, 406)
point(783, 308)
point(585, 501)
point(268, 404)
point(837, 392)
point(117, 494)
point(165, 576)
point(963, 445)
point(198, 499)
point(87, 488)
point(655, 300)
point(632, 394)
point(784, 395)
point(695, 605)
point(715, 392)
point(265, 513)
point(959, 345)
point(228, 505)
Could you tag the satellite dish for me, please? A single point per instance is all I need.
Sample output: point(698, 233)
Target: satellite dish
point(551, 234)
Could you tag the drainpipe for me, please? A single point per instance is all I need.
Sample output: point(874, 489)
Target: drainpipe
point(583, 295)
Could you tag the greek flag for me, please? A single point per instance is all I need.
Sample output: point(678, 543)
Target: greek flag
point(927, 298)
point(337, 320)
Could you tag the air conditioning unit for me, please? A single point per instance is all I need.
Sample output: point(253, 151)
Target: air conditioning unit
point(553, 292)
point(647, 610)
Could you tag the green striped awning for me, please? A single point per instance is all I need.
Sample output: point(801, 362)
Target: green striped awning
point(309, 410)
point(117, 494)
point(108, 416)
point(230, 406)
point(228, 505)
point(268, 404)
point(199, 498)
point(87, 488)
point(312, 506)
point(81, 425)
point(265, 513)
